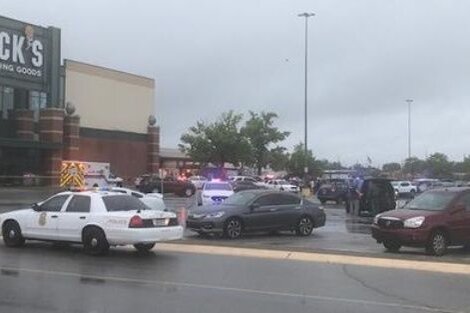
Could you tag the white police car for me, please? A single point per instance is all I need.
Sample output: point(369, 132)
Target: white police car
point(96, 219)
point(215, 192)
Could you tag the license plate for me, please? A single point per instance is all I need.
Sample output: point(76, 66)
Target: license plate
point(161, 221)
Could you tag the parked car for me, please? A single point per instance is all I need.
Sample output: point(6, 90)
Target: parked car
point(435, 220)
point(257, 210)
point(404, 188)
point(96, 219)
point(198, 181)
point(245, 185)
point(215, 192)
point(153, 183)
point(282, 185)
point(334, 190)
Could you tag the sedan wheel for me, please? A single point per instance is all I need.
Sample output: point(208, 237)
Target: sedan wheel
point(12, 236)
point(94, 241)
point(233, 228)
point(437, 244)
point(304, 226)
point(144, 247)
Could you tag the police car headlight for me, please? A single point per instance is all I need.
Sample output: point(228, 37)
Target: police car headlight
point(414, 222)
point(215, 214)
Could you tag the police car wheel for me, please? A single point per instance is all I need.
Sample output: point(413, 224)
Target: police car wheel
point(144, 247)
point(11, 233)
point(94, 241)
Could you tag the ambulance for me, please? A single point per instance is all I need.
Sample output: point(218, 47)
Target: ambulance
point(83, 175)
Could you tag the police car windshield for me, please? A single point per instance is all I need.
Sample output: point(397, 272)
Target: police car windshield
point(123, 203)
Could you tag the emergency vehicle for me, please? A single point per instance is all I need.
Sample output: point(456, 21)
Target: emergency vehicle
point(96, 219)
point(80, 175)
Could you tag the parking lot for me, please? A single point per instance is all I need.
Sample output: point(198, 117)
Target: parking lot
point(342, 234)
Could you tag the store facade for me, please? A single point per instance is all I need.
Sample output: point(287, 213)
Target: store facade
point(51, 111)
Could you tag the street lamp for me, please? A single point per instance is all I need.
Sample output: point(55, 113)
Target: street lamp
point(306, 15)
point(409, 126)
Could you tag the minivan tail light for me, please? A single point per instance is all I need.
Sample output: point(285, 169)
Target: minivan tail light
point(136, 222)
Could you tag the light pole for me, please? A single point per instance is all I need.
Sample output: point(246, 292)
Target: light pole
point(306, 15)
point(409, 126)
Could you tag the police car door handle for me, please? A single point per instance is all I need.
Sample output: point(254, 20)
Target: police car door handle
point(54, 216)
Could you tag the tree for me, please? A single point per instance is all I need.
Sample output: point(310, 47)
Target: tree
point(327, 165)
point(298, 159)
point(413, 166)
point(278, 159)
point(439, 165)
point(261, 134)
point(391, 167)
point(218, 142)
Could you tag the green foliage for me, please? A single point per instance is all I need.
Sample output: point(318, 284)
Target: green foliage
point(261, 133)
point(439, 165)
point(298, 160)
point(217, 142)
point(391, 167)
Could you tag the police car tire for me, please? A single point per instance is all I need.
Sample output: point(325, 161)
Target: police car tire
point(144, 247)
point(94, 241)
point(11, 233)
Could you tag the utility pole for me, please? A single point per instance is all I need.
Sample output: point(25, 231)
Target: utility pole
point(409, 101)
point(306, 15)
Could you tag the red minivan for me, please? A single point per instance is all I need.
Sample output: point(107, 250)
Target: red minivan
point(435, 220)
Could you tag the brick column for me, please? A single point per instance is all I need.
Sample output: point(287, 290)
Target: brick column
point(24, 124)
point(51, 128)
point(153, 149)
point(71, 137)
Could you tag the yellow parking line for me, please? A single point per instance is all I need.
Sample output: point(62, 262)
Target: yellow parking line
point(429, 266)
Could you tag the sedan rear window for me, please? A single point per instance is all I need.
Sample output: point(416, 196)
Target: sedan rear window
point(123, 203)
point(431, 201)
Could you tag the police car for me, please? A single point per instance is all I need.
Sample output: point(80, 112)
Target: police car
point(215, 192)
point(96, 219)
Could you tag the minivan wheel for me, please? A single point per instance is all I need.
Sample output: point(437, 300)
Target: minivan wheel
point(11, 233)
point(437, 244)
point(392, 246)
point(233, 228)
point(304, 226)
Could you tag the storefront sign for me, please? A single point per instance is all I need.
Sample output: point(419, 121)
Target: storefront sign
point(30, 57)
point(21, 53)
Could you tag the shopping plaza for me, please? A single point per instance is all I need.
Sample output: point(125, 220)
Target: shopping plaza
point(54, 109)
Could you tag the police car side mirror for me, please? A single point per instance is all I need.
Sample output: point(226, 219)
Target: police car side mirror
point(36, 207)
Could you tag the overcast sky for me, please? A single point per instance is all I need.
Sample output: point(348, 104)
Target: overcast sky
point(365, 58)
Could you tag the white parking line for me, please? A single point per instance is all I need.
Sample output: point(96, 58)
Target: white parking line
point(234, 289)
point(429, 266)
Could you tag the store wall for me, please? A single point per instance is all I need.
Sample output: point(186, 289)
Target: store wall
point(109, 99)
point(126, 152)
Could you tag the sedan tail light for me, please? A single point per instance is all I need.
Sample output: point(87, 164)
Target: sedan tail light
point(136, 222)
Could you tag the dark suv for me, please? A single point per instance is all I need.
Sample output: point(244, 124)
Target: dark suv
point(334, 190)
point(435, 220)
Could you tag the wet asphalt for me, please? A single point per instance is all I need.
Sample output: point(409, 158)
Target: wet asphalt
point(42, 277)
point(45, 277)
